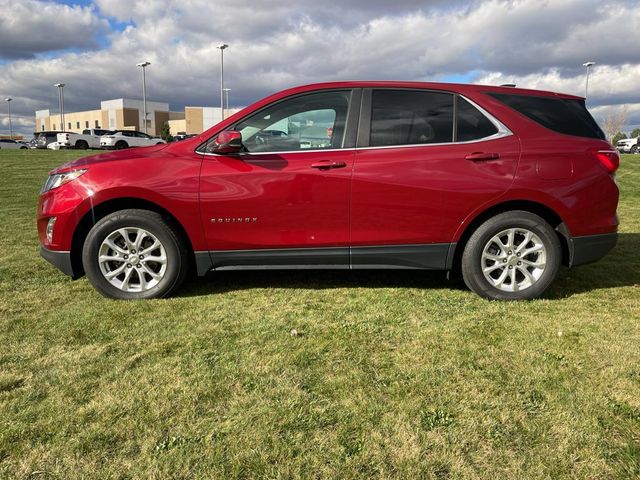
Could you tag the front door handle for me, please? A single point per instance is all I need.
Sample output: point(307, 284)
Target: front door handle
point(326, 164)
point(482, 156)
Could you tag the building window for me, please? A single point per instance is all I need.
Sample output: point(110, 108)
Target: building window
point(54, 127)
point(77, 124)
point(43, 128)
point(96, 125)
point(69, 125)
point(86, 124)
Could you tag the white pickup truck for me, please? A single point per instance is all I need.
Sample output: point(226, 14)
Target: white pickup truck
point(89, 138)
point(628, 145)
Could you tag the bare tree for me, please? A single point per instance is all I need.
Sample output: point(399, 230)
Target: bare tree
point(614, 121)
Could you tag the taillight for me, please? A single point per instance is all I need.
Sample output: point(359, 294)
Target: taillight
point(609, 159)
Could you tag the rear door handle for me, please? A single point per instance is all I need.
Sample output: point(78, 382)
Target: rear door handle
point(482, 156)
point(326, 164)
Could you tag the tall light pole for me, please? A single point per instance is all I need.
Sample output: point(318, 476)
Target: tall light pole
point(144, 66)
point(586, 84)
point(222, 46)
point(226, 91)
point(61, 102)
point(8, 100)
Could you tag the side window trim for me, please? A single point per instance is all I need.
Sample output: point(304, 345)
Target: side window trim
point(351, 126)
point(364, 129)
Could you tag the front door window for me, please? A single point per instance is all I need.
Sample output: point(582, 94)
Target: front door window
point(308, 122)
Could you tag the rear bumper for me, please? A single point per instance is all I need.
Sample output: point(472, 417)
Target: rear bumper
point(60, 260)
point(592, 248)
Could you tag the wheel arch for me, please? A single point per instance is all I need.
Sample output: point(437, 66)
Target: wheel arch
point(107, 207)
point(543, 211)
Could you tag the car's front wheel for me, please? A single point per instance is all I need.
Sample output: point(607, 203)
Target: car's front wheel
point(512, 256)
point(121, 145)
point(134, 254)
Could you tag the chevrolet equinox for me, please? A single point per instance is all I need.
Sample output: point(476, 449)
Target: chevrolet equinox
point(503, 184)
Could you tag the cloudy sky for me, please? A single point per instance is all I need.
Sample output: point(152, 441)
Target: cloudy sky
point(93, 47)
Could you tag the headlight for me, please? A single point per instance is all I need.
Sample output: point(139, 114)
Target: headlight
point(59, 179)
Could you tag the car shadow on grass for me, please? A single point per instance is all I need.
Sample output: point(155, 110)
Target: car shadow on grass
point(234, 280)
point(619, 268)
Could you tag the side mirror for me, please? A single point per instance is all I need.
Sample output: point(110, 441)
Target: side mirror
point(228, 141)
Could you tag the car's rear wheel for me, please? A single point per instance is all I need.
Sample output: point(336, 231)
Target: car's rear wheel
point(82, 145)
point(121, 145)
point(134, 254)
point(512, 256)
point(634, 149)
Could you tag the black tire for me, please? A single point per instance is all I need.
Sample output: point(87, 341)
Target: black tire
point(82, 145)
point(159, 143)
point(176, 253)
point(121, 145)
point(472, 265)
point(634, 149)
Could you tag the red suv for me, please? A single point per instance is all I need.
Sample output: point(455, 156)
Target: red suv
point(505, 184)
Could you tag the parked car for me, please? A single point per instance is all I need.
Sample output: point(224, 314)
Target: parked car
point(504, 184)
point(89, 138)
point(182, 136)
point(33, 143)
point(45, 138)
point(121, 139)
point(628, 145)
point(9, 144)
point(55, 146)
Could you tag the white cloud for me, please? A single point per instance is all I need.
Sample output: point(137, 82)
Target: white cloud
point(29, 27)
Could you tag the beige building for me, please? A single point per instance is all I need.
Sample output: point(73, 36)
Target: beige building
point(198, 119)
point(117, 114)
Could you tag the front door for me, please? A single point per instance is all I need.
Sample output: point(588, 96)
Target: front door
point(284, 200)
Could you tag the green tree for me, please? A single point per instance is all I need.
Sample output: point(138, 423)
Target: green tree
point(617, 137)
point(165, 134)
point(635, 133)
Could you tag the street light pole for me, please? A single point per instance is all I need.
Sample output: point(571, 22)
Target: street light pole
point(222, 46)
point(226, 91)
point(586, 85)
point(61, 102)
point(8, 100)
point(144, 65)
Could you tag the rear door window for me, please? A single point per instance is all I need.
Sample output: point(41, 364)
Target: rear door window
point(562, 115)
point(406, 117)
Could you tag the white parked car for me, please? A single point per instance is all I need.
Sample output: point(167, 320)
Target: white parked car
point(628, 145)
point(54, 146)
point(8, 144)
point(120, 139)
point(89, 138)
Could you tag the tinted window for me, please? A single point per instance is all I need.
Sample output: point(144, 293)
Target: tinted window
point(308, 122)
point(561, 115)
point(404, 117)
point(472, 124)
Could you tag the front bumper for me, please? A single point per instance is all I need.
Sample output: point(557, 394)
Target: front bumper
point(591, 248)
point(61, 260)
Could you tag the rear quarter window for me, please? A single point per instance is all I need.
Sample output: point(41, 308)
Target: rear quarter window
point(562, 115)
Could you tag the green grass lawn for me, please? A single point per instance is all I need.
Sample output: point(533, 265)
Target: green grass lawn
point(392, 374)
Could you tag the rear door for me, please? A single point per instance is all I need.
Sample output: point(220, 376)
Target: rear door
point(424, 161)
